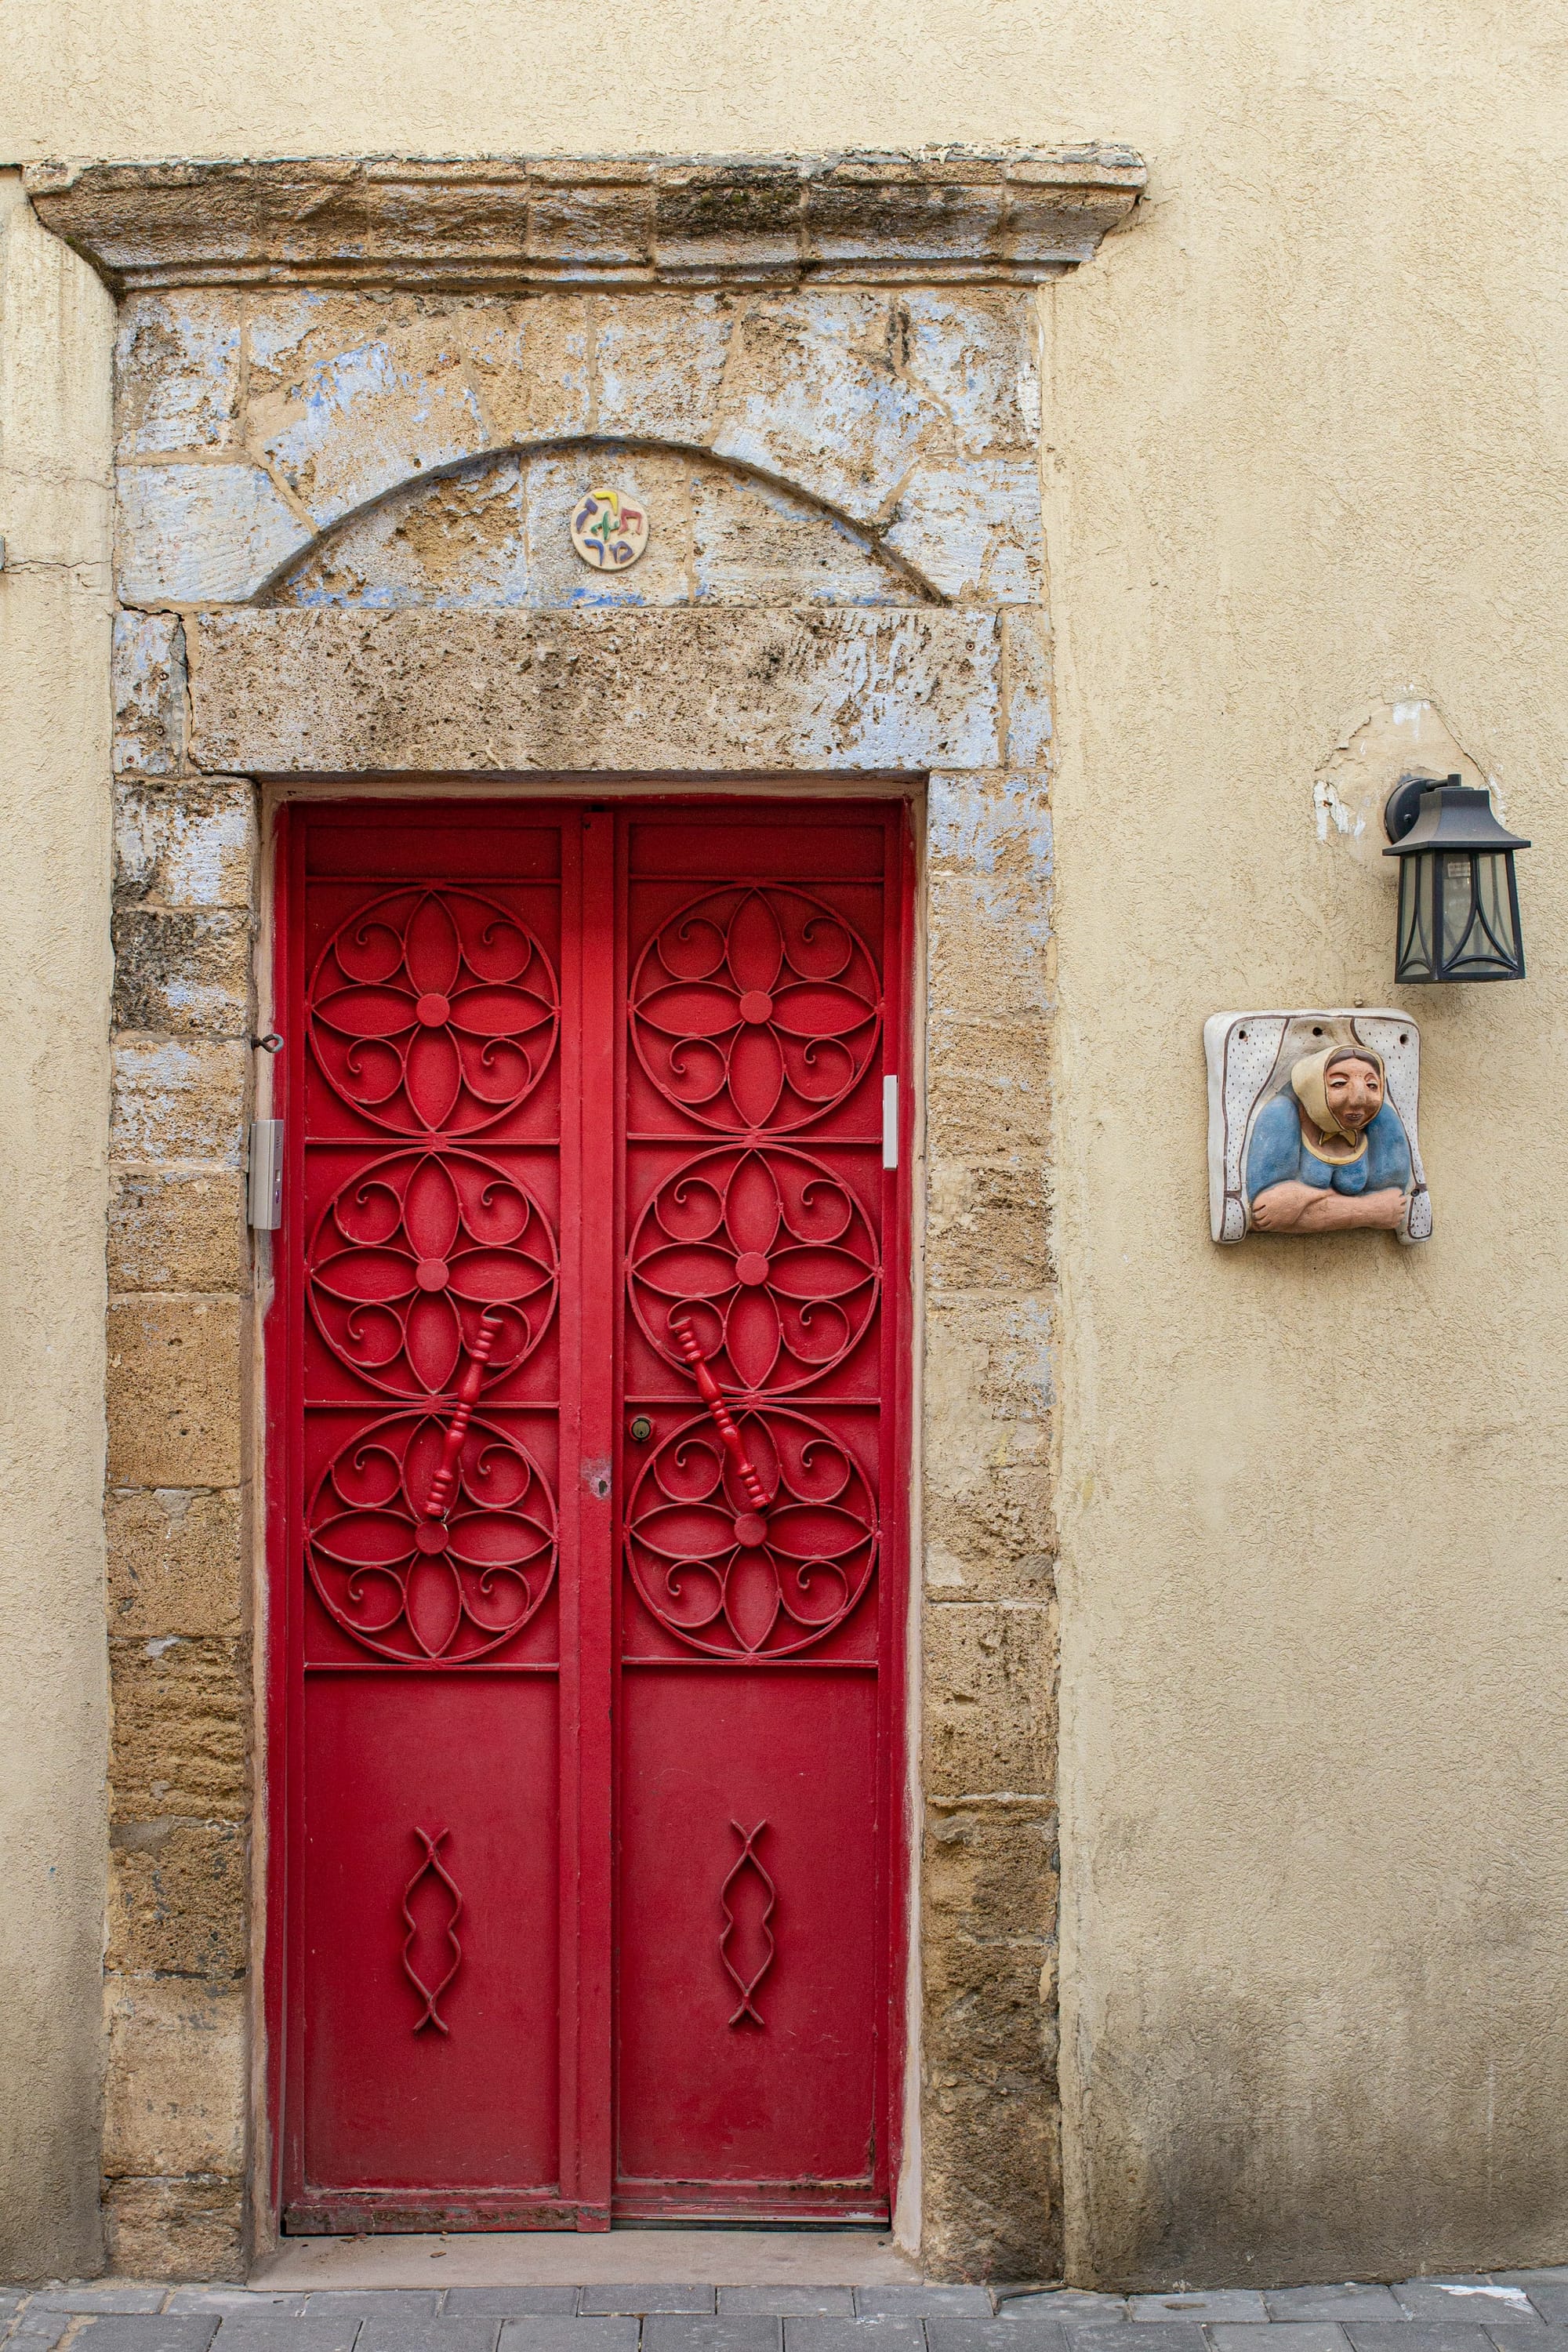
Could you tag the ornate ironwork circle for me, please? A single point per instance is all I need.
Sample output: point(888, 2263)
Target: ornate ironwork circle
point(405, 1586)
point(768, 1254)
point(755, 1008)
point(699, 1561)
point(408, 1254)
point(433, 1012)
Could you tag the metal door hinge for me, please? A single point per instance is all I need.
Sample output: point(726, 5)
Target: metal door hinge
point(265, 1198)
point(890, 1122)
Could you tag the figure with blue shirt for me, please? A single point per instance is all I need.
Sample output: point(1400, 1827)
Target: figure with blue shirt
point(1330, 1150)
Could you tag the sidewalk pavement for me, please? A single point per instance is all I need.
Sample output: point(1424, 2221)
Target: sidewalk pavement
point(1507, 2311)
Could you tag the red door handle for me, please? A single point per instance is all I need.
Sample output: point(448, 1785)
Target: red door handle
point(750, 1527)
point(445, 1477)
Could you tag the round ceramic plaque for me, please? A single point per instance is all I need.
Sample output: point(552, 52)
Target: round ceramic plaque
point(609, 532)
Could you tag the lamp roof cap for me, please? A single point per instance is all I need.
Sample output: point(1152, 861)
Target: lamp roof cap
point(1454, 816)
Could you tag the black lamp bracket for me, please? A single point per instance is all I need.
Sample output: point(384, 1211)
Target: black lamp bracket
point(1402, 807)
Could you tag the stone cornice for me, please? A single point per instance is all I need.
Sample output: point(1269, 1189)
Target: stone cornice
point(531, 223)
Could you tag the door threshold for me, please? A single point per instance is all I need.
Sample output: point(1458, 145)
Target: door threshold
point(627, 2255)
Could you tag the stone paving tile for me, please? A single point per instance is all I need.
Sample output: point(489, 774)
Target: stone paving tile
point(372, 2303)
point(1347, 2302)
point(397, 2332)
point(1418, 2336)
point(1217, 2303)
point(547, 2334)
point(40, 2331)
point(994, 2336)
point(1153, 2336)
point(1058, 2303)
point(1550, 2296)
point(789, 2302)
point(1470, 2299)
point(111, 2294)
point(1516, 2335)
point(170, 2331)
point(11, 2301)
point(508, 2302)
point(1277, 2336)
point(244, 2302)
point(873, 2335)
point(921, 2303)
point(280, 2331)
point(677, 2332)
point(639, 2300)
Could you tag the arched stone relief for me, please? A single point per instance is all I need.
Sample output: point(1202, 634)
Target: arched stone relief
point(903, 420)
point(494, 531)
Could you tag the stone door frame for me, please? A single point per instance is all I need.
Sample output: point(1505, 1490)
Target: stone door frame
point(849, 276)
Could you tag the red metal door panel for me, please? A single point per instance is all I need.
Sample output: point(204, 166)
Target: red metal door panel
point(748, 1971)
point(434, 1806)
point(762, 960)
point(584, 1776)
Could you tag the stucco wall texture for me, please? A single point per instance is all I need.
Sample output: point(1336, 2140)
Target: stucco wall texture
point(1303, 454)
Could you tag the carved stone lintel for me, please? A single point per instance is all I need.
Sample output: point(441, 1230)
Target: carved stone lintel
point(525, 223)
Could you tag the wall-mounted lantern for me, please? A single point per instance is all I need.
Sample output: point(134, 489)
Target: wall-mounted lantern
point(1458, 900)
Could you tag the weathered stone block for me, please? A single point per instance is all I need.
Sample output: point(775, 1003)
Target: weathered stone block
point(176, 370)
point(988, 1086)
point(971, 526)
point(173, 1392)
point(659, 362)
point(149, 672)
point(589, 215)
point(990, 1878)
point(182, 972)
point(989, 2155)
point(990, 1681)
point(370, 392)
point(174, 1098)
point(974, 354)
point(993, 1540)
point(993, 1353)
point(531, 364)
point(177, 1231)
point(1027, 661)
point(175, 2090)
point(755, 545)
point(456, 542)
point(180, 1710)
point(694, 689)
point(200, 534)
point(817, 391)
point(190, 845)
point(989, 947)
point(176, 1899)
point(174, 1560)
point(175, 2229)
point(985, 1227)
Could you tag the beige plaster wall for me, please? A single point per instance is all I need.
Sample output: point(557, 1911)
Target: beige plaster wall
point(55, 325)
point(1303, 454)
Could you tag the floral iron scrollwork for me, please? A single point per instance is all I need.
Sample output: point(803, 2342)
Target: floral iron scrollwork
point(756, 1007)
point(769, 1257)
point(735, 1581)
point(432, 1587)
point(412, 1252)
point(433, 1012)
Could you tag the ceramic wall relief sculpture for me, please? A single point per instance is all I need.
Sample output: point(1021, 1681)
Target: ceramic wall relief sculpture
point(1312, 1124)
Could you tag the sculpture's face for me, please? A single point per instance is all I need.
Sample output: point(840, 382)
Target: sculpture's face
point(1354, 1093)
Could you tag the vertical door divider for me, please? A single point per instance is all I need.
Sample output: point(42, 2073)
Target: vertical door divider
point(598, 1294)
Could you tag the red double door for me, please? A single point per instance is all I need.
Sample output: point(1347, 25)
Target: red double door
point(588, 1474)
